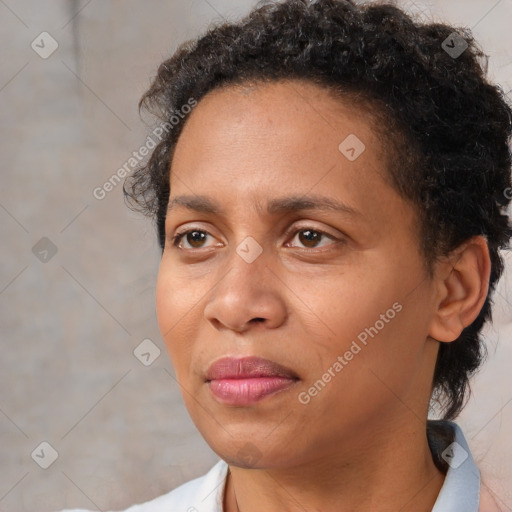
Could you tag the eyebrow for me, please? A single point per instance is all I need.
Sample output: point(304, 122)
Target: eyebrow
point(204, 204)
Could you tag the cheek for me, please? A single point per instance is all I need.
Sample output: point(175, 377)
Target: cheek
point(392, 349)
point(174, 305)
point(164, 303)
point(370, 320)
point(342, 305)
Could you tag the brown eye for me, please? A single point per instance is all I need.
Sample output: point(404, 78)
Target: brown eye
point(193, 237)
point(311, 238)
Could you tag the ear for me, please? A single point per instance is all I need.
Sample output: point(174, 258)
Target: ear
point(462, 282)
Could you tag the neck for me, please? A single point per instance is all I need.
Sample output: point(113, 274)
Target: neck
point(394, 471)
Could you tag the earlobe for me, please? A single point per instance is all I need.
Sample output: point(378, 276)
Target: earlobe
point(463, 283)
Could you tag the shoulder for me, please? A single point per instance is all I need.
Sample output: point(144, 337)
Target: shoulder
point(203, 494)
point(487, 502)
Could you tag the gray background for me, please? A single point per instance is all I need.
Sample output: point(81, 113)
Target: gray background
point(69, 325)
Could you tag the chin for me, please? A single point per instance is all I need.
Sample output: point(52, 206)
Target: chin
point(248, 453)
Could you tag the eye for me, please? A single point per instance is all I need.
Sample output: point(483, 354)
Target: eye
point(193, 237)
point(310, 238)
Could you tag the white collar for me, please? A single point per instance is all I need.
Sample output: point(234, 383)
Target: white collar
point(461, 488)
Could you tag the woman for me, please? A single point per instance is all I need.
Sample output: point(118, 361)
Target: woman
point(330, 205)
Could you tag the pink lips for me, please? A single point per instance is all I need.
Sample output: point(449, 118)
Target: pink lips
point(244, 381)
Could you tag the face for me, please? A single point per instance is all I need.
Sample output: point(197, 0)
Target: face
point(299, 252)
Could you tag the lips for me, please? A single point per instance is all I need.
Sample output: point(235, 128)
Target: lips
point(244, 381)
point(246, 368)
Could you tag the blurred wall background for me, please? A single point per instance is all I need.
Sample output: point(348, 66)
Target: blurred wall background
point(77, 272)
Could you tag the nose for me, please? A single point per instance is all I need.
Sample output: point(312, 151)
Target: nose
point(247, 296)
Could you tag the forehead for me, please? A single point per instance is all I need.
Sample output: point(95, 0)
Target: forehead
point(264, 130)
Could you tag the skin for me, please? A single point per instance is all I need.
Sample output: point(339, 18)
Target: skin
point(359, 444)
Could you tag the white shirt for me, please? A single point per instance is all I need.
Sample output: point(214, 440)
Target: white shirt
point(460, 492)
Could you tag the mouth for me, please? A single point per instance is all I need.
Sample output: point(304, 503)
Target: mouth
point(247, 380)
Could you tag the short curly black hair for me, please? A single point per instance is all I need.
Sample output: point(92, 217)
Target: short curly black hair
point(448, 127)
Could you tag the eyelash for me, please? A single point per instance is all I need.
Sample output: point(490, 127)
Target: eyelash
point(176, 239)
